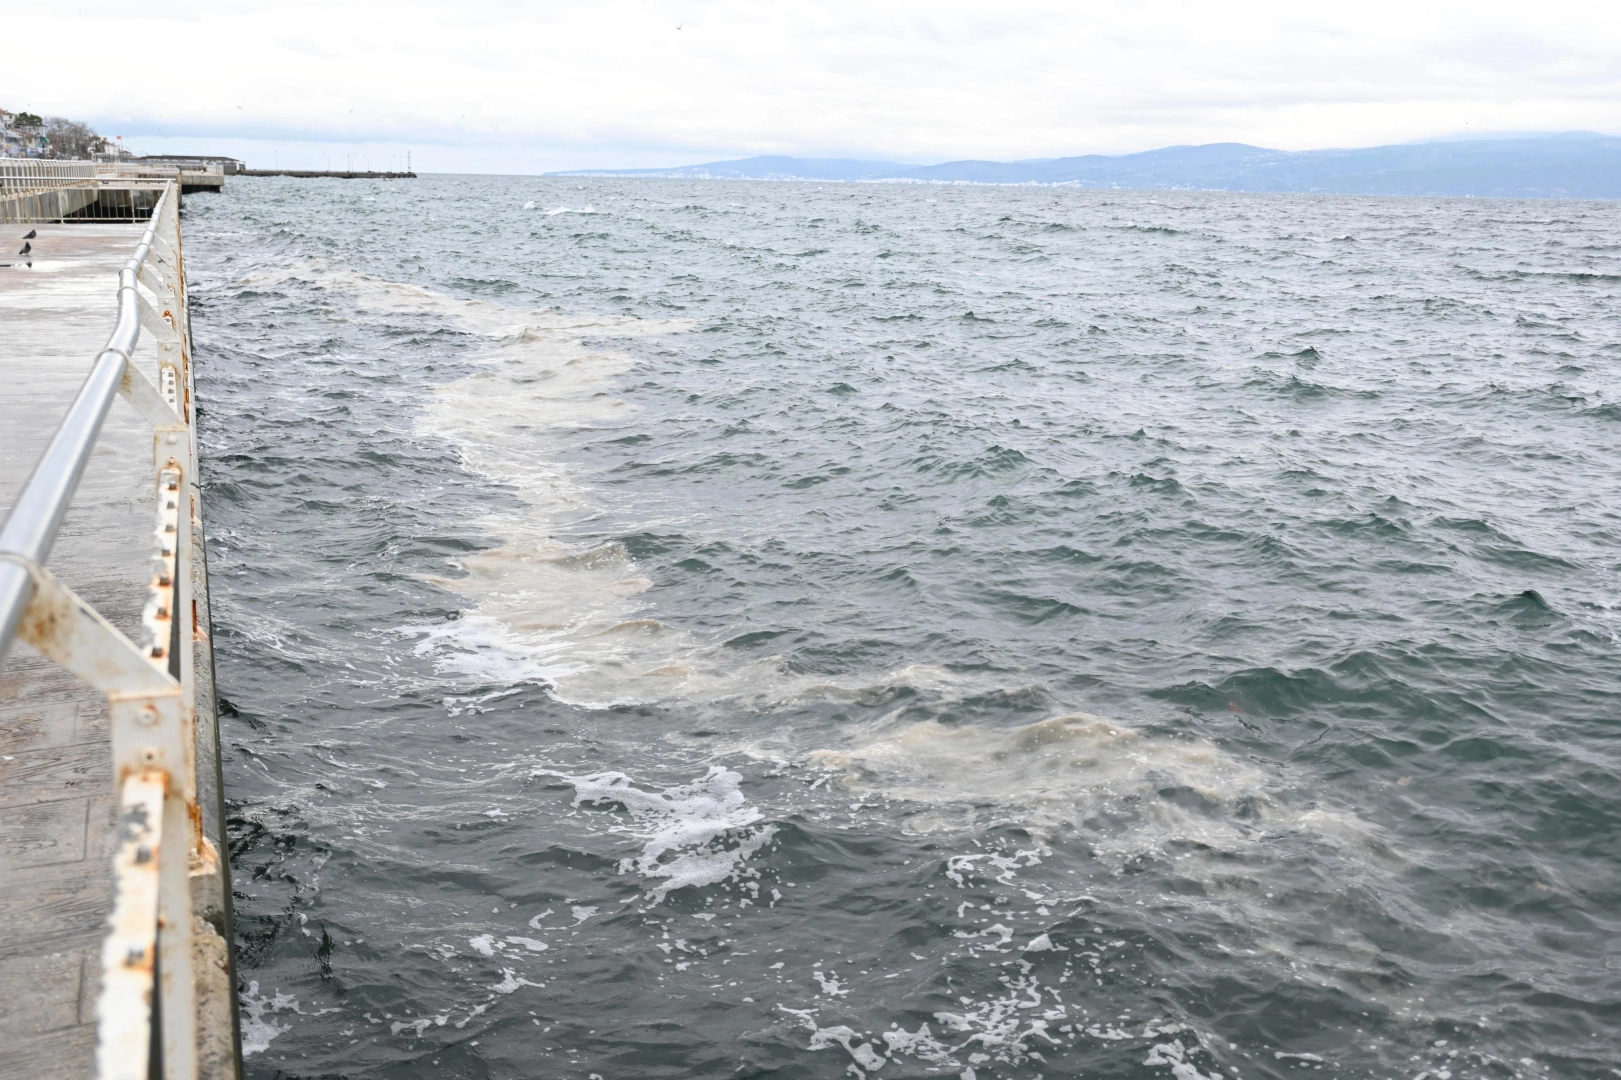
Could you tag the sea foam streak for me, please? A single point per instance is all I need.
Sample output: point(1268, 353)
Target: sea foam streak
point(1058, 770)
point(541, 608)
point(569, 615)
point(1132, 794)
point(544, 608)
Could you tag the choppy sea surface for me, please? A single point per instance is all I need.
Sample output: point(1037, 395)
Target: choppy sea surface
point(704, 629)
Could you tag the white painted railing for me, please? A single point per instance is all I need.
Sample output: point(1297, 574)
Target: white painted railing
point(22, 175)
point(147, 956)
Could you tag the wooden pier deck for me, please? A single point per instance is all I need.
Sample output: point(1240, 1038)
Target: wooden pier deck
point(57, 795)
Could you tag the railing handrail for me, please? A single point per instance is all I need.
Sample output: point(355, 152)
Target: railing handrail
point(35, 517)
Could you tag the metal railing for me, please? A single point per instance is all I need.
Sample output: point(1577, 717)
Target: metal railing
point(69, 195)
point(36, 174)
point(22, 175)
point(41, 191)
point(130, 169)
point(146, 960)
point(158, 168)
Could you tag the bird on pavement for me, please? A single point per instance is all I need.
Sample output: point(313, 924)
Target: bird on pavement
point(27, 247)
point(30, 234)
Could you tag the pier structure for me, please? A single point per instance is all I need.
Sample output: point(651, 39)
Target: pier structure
point(33, 190)
point(116, 961)
point(329, 174)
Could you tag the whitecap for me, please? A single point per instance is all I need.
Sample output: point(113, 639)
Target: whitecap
point(257, 1017)
point(695, 834)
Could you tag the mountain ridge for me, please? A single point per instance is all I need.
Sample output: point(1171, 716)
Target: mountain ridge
point(1579, 165)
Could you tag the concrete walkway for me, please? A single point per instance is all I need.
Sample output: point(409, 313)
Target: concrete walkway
point(56, 783)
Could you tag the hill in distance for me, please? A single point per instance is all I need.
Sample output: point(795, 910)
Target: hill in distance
point(1570, 165)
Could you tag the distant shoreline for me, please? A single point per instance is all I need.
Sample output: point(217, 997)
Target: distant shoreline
point(1575, 165)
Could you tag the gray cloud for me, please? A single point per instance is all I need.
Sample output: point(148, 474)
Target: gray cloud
point(614, 82)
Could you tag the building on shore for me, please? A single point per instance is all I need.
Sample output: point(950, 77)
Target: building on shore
point(193, 162)
point(22, 134)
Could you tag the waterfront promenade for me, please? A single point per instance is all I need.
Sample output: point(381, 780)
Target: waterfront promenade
point(58, 792)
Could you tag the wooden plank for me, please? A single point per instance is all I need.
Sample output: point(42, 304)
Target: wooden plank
point(30, 678)
point(39, 834)
point(56, 772)
point(41, 993)
point(101, 831)
point(57, 908)
point(90, 985)
point(65, 1054)
point(38, 724)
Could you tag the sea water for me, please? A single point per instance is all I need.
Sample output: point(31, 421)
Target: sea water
point(677, 629)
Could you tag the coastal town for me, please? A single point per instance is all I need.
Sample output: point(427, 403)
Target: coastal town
point(28, 135)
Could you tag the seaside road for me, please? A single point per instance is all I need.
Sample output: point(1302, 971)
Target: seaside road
point(56, 783)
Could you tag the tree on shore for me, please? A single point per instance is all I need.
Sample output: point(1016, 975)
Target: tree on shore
point(71, 139)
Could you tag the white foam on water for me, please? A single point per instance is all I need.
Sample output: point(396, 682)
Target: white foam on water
point(1065, 770)
point(416, 1027)
point(541, 609)
point(1020, 1026)
point(532, 944)
point(401, 298)
point(510, 982)
point(571, 617)
point(258, 1022)
point(695, 834)
point(1180, 800)
point(1025, 1025)
point(1175, 1055)
point(838, 1035)
point(575, 617)
point(920, 1044)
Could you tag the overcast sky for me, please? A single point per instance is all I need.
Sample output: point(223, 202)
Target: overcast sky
point(486, 85)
